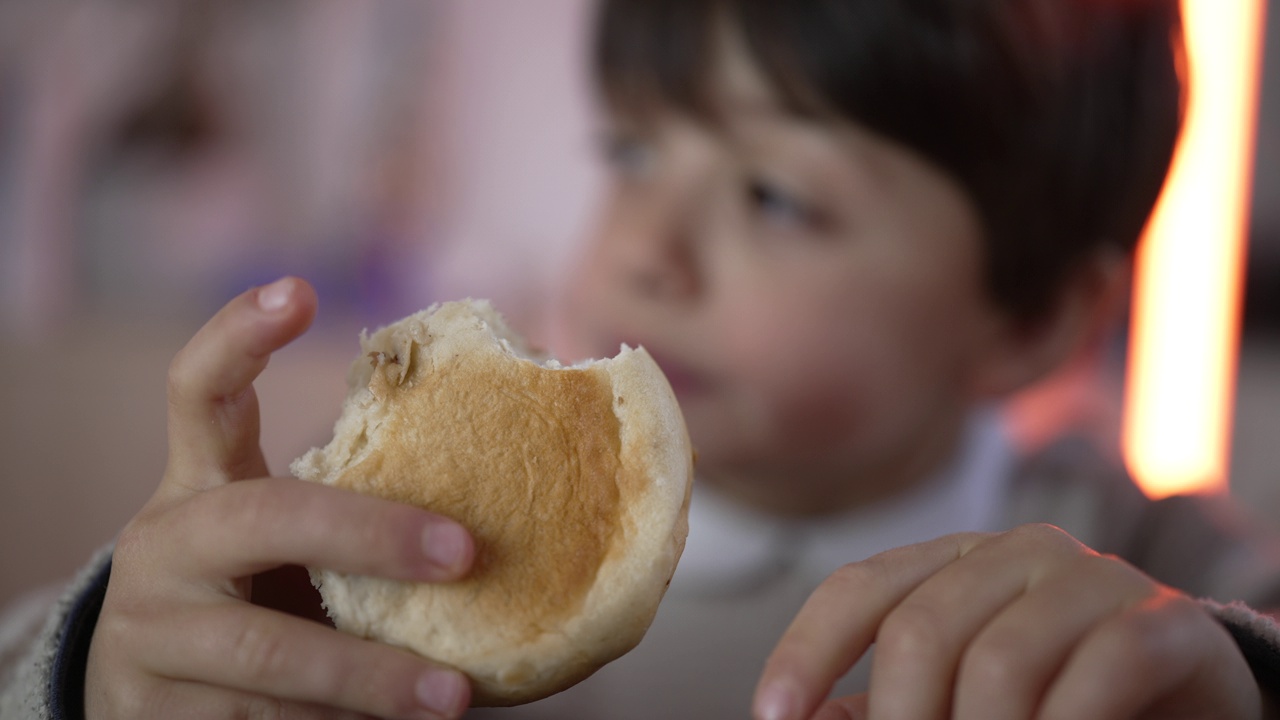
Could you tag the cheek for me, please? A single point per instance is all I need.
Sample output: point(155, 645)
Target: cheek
point(820, 409)
point(799, 383)
point(840, 376)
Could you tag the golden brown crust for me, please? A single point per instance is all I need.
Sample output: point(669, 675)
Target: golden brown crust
point(574, 483)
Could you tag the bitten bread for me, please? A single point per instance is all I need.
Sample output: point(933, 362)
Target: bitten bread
point(574, 482)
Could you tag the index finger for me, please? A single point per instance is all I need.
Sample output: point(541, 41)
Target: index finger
point(839, 622)
point(213, 411)
point(257, 525)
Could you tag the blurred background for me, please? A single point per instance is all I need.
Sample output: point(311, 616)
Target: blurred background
point(157, 157)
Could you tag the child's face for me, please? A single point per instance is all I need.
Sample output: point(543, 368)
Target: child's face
point(813, 292)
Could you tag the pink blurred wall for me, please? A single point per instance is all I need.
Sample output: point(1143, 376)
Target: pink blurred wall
point(516, 150)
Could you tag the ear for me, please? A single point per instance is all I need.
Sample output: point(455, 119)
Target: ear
point(1078, 325)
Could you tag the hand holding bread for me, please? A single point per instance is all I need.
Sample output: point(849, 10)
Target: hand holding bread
point(178, 635)
point(187, 630)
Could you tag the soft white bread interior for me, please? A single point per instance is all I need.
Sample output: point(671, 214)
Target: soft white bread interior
point(574, 482)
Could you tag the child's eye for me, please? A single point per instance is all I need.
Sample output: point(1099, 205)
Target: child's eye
point(781, 208)
point(627, 155)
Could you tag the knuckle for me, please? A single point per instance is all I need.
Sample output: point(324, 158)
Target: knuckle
point(1050, 537)
point(912, 633)
point(995, 661)
point(1150, 635)
point(1131, 643)
point(177, 379)
point(966, 541)
point(260, 651)
point(1183, 608)
point(260, 708)
point(119, 623)
point(1118, 575)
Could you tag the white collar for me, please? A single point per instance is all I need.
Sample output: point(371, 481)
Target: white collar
point(732, 549)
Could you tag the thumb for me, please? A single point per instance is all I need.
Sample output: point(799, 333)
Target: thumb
point(853, 707)
point(213, 411)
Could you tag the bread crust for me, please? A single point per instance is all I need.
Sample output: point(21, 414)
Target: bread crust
point(573, 481)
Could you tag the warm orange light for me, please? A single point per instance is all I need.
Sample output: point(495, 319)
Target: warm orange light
point(1186, 303)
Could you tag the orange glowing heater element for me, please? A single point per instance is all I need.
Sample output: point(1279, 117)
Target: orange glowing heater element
point(1187, 296)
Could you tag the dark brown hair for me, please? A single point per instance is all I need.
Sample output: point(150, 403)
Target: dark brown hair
point(1057, 117)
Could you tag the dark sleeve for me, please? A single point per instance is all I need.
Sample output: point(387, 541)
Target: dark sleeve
point(42, 677)
point(66, 677)
point(1258, 637)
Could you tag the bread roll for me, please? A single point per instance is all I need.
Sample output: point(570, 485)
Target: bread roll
point(574, 482)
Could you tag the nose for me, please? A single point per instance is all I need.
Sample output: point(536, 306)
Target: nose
point(661, 268)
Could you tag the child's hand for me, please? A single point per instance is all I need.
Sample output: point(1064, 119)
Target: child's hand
point(178, 635)
point(1024, 624)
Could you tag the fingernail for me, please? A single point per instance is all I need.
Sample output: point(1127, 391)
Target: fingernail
point(445, 545)
point(441, 692)
point(276, 295)
point(777, 701)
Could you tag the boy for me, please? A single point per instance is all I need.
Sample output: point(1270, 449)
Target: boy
point(843, 228)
